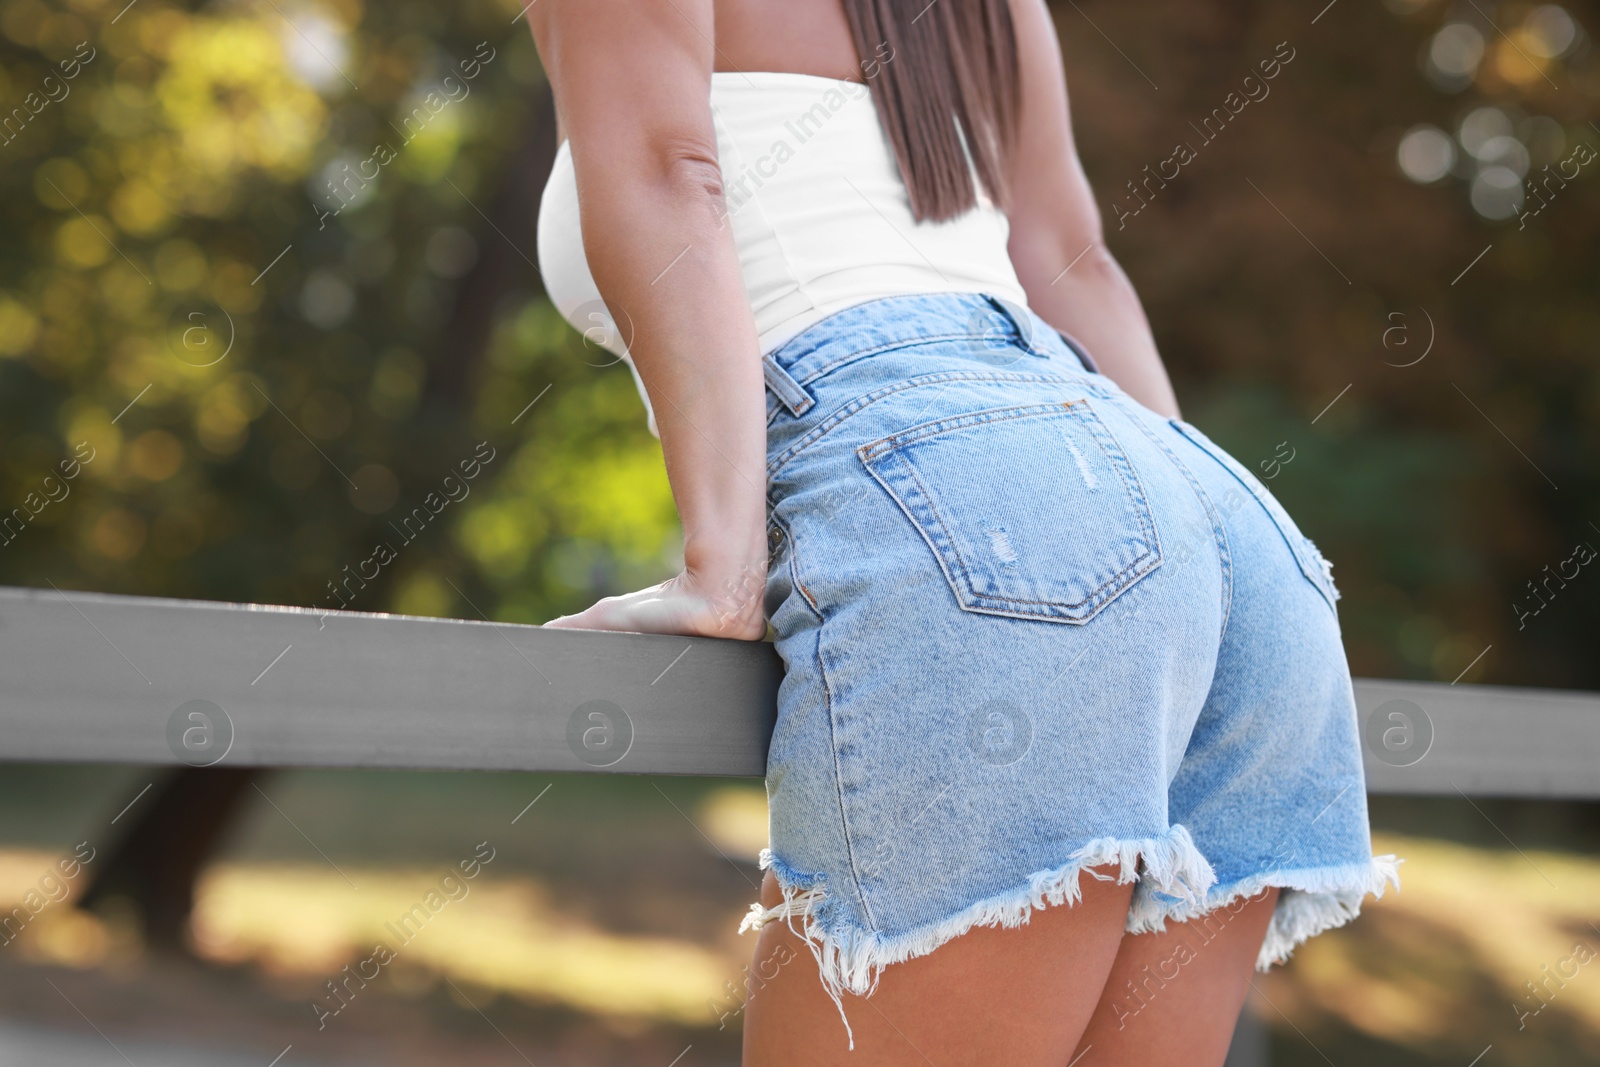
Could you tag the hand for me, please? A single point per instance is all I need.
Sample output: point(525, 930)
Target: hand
point(687, 604)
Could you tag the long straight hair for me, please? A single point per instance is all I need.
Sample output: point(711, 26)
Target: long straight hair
point(942, 73)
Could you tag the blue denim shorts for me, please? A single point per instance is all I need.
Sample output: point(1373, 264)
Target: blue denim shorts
point(1031, 627)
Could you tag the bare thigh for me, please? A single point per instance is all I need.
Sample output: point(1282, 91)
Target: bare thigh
point(1174, 997)
point(1019, 996)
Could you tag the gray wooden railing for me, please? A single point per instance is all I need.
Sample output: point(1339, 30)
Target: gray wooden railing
point(86, 677)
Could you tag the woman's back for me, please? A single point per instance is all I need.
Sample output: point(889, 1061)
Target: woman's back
point(793, 36)
point(820, 215)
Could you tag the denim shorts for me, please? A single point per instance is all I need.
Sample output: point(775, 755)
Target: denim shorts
point(1030, 627)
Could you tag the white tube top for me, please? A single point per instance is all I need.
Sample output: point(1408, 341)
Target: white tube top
point(820, 216)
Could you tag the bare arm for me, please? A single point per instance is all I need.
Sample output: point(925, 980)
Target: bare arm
point(632, 86)
point(1055, 225)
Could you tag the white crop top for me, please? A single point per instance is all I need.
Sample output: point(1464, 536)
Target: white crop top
point(820, 216)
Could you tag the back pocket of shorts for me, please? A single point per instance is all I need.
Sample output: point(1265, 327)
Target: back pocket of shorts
point(1032, 512)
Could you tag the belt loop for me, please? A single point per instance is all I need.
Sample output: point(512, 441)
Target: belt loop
point(790, 392)
point(1025, 322)
point(1021, 320)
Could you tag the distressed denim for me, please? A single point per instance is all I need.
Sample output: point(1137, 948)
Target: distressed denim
point(1031, 627)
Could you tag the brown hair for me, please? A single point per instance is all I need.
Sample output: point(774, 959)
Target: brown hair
point(933, 68)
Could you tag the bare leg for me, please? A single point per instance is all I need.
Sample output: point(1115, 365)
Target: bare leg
point(1019, 996)
point(1174, 997)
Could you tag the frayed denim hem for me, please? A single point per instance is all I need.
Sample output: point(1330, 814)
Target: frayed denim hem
point(1312, 900)
point(851, 958)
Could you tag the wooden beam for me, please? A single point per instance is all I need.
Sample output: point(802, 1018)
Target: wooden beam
point(86, 677)
point(1479, 740)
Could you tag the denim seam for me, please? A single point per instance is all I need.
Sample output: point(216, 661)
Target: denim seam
point(952, 423)
point(833, 733)
point(1268, 504)
point(1224, 553)
point(955, 552)
point(1118, 455)
point(794, 576)
point(886, 346)
point(1136, 490)
point(914, 341)
point(827, 696)
point(834, 418)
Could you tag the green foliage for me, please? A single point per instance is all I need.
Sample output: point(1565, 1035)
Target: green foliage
point(231, 255)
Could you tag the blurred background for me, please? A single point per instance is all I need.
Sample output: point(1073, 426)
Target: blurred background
point(267, 277)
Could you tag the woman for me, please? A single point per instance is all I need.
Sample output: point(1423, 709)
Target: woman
point(1066, 742)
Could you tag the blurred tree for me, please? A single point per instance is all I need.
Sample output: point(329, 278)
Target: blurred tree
point(1300, 264)
point(272, 266)
point(157, 861)
point(266, 286)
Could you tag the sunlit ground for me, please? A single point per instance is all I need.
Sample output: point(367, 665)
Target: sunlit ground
point(1446, 963)
point(505, 934)
point(1441, 968)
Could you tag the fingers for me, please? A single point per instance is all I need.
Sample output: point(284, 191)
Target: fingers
point(661, 609)
point(588, 619)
